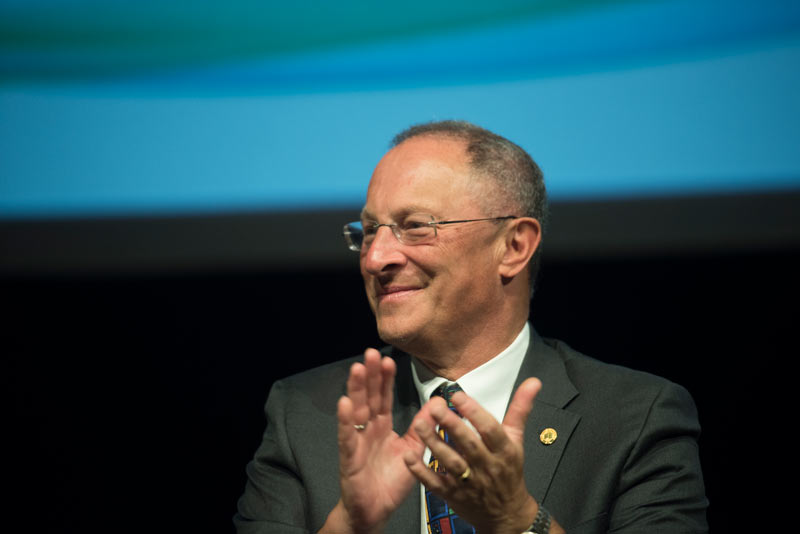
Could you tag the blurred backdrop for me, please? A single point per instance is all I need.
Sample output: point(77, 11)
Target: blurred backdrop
point(174, 178)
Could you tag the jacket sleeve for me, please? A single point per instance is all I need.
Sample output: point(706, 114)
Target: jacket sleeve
point(661, 486)
point(274, 499)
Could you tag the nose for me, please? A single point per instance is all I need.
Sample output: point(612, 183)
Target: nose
point(384, 253)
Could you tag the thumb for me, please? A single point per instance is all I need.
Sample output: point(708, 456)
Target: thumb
point(521, 406)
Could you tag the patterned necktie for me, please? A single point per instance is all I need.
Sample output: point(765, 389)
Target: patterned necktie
point(441, 518)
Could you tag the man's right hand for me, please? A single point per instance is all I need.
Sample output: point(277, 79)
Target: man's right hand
point(373, 476)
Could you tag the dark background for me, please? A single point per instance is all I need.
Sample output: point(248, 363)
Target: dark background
point(136, 378)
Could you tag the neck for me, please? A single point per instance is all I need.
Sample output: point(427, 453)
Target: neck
point(469, 351)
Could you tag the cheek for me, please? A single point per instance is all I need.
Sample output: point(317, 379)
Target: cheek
point(472, 275)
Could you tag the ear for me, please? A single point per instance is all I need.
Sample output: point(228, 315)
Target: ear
point(521, 241)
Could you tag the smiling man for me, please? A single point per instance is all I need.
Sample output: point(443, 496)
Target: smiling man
point(469, 421)
point(453, 296)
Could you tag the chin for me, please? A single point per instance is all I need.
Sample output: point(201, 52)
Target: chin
point(396, 334)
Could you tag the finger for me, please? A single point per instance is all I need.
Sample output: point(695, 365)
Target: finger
point(426, 431)
point(461, 437)
point(520, 407)
point(388, 370)
point(490, 430)
point(346, 430)
point(411, 436)
point(445, 455)
point(423, 473)
point(372, 362)
point(357, 393)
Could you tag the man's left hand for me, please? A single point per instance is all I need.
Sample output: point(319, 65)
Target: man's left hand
point(493, 498)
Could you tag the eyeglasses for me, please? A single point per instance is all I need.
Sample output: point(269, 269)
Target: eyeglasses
point(415, 229)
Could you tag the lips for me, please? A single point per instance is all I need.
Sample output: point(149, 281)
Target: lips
point(395, 292)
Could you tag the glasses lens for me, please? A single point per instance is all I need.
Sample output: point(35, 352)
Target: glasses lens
point(353, 235)
point(416, 229)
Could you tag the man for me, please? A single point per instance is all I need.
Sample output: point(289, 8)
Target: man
point(448, 244)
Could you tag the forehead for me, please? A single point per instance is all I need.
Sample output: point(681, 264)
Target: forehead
point(423, 174)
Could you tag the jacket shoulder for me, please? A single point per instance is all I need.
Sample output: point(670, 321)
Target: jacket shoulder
point(593, 374)
point(608, 391)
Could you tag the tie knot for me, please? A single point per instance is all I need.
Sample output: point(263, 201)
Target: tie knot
point(446, 391)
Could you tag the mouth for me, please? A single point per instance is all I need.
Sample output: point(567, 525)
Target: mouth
point(395, 292)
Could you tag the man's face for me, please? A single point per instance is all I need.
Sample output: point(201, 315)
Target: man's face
point(439, 290)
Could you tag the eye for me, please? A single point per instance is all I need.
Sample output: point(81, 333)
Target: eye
point(413, 225)
point(417, 226)
point(369, 228)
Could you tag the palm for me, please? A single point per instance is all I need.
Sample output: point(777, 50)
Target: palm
point(375, 479)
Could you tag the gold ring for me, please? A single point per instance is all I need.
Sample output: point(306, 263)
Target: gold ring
point(465, 475)
point(360, 427)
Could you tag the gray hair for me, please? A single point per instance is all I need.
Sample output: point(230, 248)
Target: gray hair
point(518, 180)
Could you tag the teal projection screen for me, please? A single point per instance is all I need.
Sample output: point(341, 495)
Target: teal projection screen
point(160, 107)
point(202, 108)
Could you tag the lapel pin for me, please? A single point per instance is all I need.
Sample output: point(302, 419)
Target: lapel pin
point(548, 436)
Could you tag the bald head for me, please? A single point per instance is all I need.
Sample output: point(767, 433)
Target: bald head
point(507, 180)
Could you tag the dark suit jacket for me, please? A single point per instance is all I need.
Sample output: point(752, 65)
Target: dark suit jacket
point(625, 458)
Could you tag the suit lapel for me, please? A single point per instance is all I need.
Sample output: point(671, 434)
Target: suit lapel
point(541, 460)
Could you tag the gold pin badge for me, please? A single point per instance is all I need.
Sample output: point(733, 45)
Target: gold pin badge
point(548, 436)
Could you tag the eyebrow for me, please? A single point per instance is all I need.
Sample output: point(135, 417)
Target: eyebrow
point(366, 215)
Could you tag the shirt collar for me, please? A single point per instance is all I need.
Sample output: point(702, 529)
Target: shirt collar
point(490, 385)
